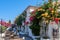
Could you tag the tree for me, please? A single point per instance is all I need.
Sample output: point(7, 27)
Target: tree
point(2, 28)
point(20, 18)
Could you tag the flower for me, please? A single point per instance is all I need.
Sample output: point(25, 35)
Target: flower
point(46, 14)
point(26, 22)
point(52, 11)
point(56, 20)
point(42, 14)
point(31, 18)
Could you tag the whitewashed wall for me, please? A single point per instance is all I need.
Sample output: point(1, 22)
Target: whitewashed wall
point(28, 14)
point(27, 18)
point(27, 29)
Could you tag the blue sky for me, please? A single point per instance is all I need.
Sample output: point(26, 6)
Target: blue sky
point(9, 9)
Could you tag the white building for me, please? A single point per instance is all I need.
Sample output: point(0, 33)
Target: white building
point(28, 11)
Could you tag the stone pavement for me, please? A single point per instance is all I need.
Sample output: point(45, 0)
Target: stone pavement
point(9, 39)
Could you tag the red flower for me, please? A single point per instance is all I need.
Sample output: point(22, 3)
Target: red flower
point(26, 23)
point(56, 20)
point(31, 18)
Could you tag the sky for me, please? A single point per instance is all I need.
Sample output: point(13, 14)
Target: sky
point(10, 9)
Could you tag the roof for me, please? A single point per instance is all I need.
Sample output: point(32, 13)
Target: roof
point(31, 7)
point(34, 7)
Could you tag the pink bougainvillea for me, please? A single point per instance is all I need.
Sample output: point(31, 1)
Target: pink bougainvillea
point(26, 22)
point(56, 20)
point(31, 18)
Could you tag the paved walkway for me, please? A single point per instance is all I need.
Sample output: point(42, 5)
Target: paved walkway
point(9, 39)
point(24, 37)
